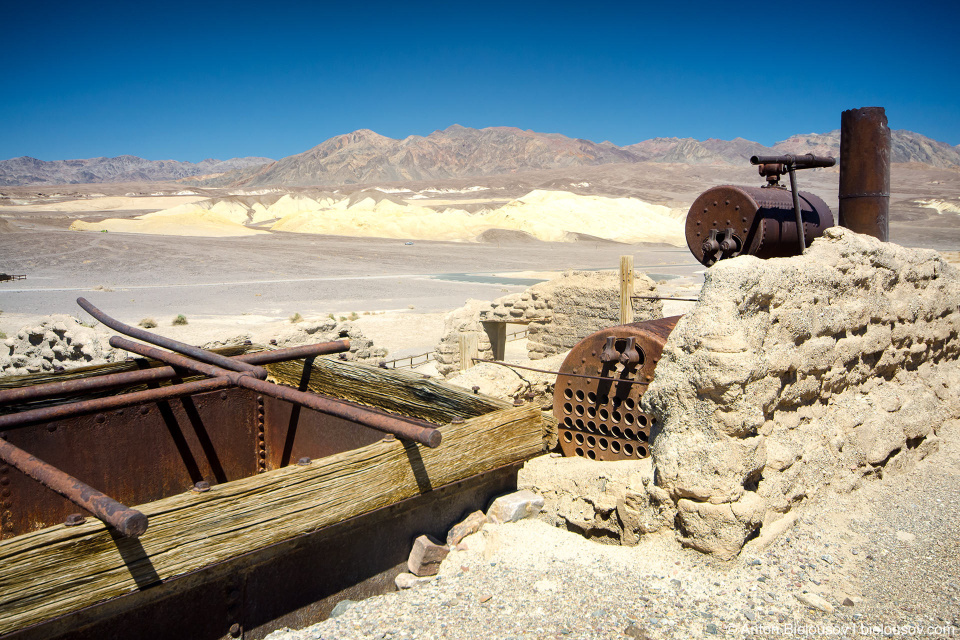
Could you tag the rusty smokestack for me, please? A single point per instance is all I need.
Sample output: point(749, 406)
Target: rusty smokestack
point(865, 172)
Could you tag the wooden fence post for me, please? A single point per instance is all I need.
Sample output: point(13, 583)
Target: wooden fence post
point(469, 349)
point(626, 289)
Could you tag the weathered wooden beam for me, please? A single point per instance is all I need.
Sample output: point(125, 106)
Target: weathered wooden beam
point(393, 390)
point(469, 349)
point(61, 569)
point(626, 289)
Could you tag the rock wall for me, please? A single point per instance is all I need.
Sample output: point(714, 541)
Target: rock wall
point(56, 342)
point(558, 313)
point(793, 374)
point(361, 347)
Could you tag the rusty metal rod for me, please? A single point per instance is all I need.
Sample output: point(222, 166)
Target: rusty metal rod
point(791, 168)
point(129, 522)
point(159, 374)
point(174, 345)
point(296, 353)
point(418, 431)
point(805, 161)
point(47, 414)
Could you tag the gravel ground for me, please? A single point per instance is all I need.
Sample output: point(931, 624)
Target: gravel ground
point(889, 550)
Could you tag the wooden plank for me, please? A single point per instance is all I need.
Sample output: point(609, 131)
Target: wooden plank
point(626, 289)
point(469, 349)
point(62, 569)
point(402, 392)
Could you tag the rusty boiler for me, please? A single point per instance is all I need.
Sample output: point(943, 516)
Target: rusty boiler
point(728, 221)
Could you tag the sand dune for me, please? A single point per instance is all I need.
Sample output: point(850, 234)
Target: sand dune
point(940, 206)
point(179, 221)
point(552, 216)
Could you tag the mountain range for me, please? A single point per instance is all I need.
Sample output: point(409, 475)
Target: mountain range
point(30, 171)
point(368, 157)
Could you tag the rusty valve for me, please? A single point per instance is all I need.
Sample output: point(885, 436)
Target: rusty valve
point(630, 356)
point(610, 355)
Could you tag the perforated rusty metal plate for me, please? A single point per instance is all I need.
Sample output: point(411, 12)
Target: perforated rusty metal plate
point(602, 419)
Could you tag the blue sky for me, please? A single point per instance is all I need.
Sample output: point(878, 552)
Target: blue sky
point(189, 81)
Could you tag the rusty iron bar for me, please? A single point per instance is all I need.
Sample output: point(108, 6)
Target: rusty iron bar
point(159, 374)
point(296, 353)
point(174, 345)
point(129, 522)
point(572, 375)
point(865, 172)
point(97, 405)
point(418, 431)
point(805, 161)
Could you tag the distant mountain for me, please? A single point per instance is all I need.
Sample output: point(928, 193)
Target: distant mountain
point(364, 156)
point(456, 152)
point(367, 157)
point(30, 171)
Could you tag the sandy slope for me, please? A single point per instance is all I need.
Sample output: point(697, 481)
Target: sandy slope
point(173, 222)
point(108, 203)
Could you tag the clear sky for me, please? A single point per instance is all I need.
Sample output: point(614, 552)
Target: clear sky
point(194, 80)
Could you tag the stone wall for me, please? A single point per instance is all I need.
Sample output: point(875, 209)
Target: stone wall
point(558, 313)
point(56, 342)
point(793, 374)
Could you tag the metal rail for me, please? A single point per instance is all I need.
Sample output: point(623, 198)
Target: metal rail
point(432, 355)
point(174, 345)
point(418, 431)
point(129, 522)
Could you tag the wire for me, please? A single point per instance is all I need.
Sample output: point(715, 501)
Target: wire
point(561, 373)
point(664, 298)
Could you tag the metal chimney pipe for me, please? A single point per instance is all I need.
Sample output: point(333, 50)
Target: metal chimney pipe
point(865, 172)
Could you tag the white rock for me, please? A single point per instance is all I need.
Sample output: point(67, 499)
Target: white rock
point(814, 601)
point(515, 506)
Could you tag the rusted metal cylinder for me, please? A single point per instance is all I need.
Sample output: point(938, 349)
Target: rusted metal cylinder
point(728, 221)
point(159, 374)
point(174, 345)
point(865, 172)
point(601, 418)
point(129, 522)
point(410, 429)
